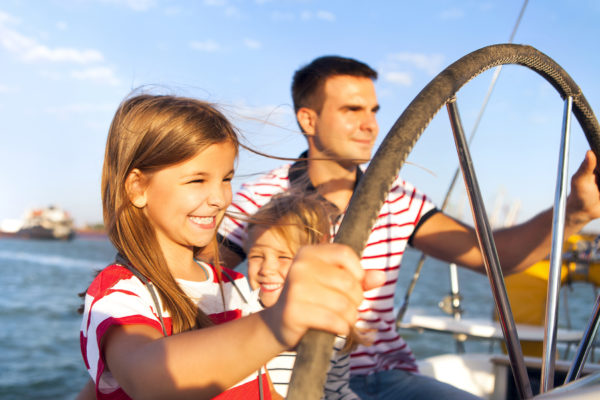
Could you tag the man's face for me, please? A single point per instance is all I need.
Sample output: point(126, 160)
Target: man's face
point(346, 127)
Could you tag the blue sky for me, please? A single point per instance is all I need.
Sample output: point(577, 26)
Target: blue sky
point(66, 65)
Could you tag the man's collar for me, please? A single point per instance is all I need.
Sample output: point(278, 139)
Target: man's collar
point(298, 174)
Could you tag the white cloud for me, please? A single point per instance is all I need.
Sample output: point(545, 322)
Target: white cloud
point(96, 74)
point(399, 78)
point(233, 12)
point(30, 50)
point(305, 15)
point(208, 45)
point(53, 75)
point(252, 44)
point(135, 5)
point(322, 15)
point(401, 68)
point(452, 13)
point(485, 6)
point(60, 54)
point(430, 63)
point(173, 10)
point(215, 3)
point(7, 89)
point(8, 19)
point(326, 16)
point(140, 5)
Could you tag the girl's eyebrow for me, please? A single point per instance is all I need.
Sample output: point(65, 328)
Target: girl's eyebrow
point(206, 173)
point(193, 176)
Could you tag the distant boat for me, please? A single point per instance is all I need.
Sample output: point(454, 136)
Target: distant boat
point(47, 223)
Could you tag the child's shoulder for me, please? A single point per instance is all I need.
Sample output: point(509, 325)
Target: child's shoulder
point(109, 277)
point(229, 275)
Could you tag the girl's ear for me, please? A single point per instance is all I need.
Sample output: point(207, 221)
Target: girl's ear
point(307, 119)
point(135, 186)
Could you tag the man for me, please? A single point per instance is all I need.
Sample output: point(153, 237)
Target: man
point(336, 105)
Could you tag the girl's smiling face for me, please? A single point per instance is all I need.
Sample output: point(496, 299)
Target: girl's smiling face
point(185, 202)
point(269, 260)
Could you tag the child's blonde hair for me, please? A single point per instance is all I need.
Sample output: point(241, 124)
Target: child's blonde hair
point(151, 132)
point(299, 219)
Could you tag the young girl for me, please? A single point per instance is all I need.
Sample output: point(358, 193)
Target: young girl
point(153, 323)
point(274, 235)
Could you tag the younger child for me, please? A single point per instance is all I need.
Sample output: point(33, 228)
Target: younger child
point(158, 323)
point(275, 233)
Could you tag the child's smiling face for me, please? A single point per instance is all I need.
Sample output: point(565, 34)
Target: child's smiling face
point(269, 260)
point(184, 202)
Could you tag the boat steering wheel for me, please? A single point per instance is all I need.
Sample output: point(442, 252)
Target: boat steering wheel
point(312, 361)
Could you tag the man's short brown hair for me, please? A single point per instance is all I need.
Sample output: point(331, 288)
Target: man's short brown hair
point(309, 80)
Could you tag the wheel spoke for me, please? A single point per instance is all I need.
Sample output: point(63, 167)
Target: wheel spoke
point(490, 255)
point(558, 236)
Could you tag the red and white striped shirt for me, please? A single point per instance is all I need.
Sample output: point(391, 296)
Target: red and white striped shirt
point(396, 222)
point(117, 297)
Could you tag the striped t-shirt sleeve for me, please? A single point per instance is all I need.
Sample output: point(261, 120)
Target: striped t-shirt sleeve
point(115, 297)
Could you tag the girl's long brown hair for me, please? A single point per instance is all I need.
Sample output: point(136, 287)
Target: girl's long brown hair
point(150, 132)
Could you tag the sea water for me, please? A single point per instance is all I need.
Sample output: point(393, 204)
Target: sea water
point(40, 356)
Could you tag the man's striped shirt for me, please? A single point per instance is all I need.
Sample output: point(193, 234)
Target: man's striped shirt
point(404, 209)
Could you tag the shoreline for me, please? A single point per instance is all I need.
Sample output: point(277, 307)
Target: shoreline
point(82, 234)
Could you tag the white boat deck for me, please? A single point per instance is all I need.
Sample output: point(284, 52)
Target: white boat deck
point(477, 373)
point(481, 328)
